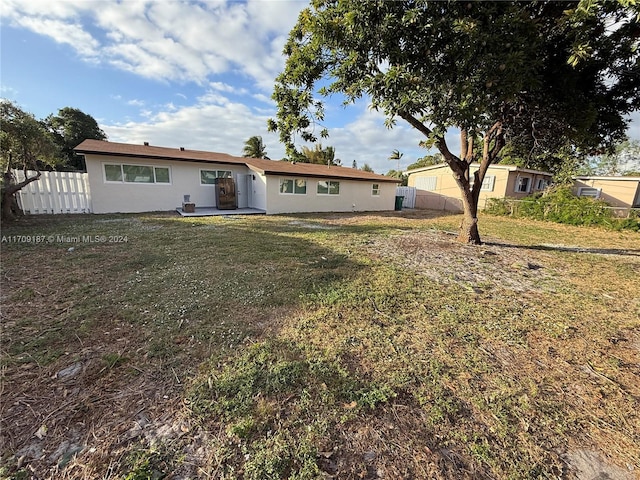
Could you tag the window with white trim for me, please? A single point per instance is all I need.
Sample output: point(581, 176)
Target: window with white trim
point(523, 184)
point(426, 183)
point(124, 173)
point(208, 177)
point(589, 192)
point(293, 186)
point(375, 189)
point(488, 183)
point(328, 187)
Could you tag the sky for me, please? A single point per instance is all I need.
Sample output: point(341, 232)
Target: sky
point(177, 73)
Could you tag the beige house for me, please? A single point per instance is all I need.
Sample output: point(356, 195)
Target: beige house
point(436, 188)
point(623, 192)
point(126, 178)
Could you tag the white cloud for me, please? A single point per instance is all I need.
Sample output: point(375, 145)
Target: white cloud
point(168, 41)
point(219, 126)
point(62, 32)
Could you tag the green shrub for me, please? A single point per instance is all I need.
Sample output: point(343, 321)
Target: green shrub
point(562, 206)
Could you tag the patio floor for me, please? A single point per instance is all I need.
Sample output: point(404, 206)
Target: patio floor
point(211, 211)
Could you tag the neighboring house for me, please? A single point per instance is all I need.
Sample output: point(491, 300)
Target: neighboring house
point(437, 189)
point(623, 192)
point(143, 178)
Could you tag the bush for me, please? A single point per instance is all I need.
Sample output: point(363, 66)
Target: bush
point(562, 206)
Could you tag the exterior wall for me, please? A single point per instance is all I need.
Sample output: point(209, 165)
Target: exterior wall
point(514, 177)
point(139, 197)
point(621, 192)
point(446, 194)
point(354, 196)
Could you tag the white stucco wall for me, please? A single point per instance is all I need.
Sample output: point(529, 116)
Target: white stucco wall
point(108, 197)
point(354, 196)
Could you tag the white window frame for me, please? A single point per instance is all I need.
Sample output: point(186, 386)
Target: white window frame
point(488, 184)
point(595, 191)
point(375, 189)
point(529, 183)
point(217, 175)
point(122, 176)
point(294, 184)
point(329, 184)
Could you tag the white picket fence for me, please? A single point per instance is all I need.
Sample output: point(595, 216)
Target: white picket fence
point(409, 194)
point(54, 192)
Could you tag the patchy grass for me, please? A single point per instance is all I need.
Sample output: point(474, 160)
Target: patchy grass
point(354, 346)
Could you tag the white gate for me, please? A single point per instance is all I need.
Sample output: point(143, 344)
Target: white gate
point(409, 194)
point(54, 192)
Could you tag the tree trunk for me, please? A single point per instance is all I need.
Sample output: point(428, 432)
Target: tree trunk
point(469, 228)
point(10, 208)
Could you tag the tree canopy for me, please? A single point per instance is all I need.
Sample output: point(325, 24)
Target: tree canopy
point(25, 144)
point(70, 128)
point(539, 75)
point(255, 148)
point(427, 161)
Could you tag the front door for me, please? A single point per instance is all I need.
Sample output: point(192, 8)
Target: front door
point(243, 190)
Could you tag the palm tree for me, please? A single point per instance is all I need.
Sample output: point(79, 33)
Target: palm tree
point(396, 155)
point(254, 148)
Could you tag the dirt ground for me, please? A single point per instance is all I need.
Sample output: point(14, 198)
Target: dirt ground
point(63, 419)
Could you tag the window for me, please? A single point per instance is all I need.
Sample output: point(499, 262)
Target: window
point(113, 173)
point(522, 185)
point(426, 183)
point(589, 192)
point(375, 189)
point(541, 184)
point(293, 186)
point(136, 174)
point(326, 187)
point(488, 183)
point(208, 177)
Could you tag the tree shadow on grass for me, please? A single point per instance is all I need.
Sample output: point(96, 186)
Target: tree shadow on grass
point(570, 248)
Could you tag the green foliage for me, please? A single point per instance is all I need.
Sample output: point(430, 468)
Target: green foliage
point(319, 155)
point(367, 168)
point(562, 206)
point(25, 142)
point(148, 465)
point(70, 128)
point(400, 175)
point(427, 161)
point(255, 148)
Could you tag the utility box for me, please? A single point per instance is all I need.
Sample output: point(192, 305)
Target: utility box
point(226, 194)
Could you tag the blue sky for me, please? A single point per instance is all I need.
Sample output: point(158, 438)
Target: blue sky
point(175, 73)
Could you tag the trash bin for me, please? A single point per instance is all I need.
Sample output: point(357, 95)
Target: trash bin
point(399, 200)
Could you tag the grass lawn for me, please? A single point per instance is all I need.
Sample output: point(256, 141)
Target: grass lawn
point(318, 346)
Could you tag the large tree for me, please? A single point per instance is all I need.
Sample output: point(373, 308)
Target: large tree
point(255, 148)
point(70, 128)
point(25, 144)
point(536, 74)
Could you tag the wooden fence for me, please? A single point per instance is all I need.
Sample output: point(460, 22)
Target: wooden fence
point(409, 194)
point(54, 192)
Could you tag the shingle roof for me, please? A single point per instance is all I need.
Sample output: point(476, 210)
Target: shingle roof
point(266, 167)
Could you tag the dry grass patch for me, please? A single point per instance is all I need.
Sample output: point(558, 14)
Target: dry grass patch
point(328, 346)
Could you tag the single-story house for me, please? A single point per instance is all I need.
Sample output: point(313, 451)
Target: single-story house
point(126, 178)
point(436, 188)
point(623, 192)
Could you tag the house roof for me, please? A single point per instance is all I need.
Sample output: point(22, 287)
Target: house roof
point(615, 179)
point(509, 168)
point(266, 167)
